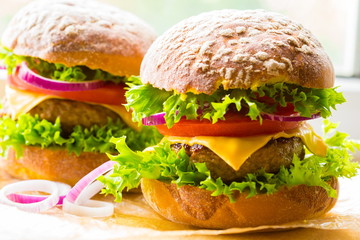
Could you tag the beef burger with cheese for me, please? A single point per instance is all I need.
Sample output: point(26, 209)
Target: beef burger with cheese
point(68, 62)
point(232, 91)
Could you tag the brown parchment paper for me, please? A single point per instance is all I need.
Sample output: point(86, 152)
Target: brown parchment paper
point(134, 219)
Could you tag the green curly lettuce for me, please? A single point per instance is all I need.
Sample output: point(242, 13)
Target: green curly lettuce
point(33, 131)
point(57, 71)
point(168, 166)
point(306, 101)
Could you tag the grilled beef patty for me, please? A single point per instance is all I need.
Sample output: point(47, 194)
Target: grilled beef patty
point(73, 113)
point(275, 153)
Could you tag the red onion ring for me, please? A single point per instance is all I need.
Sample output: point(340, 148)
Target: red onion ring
point(159, 118)
point(88, 179)
point(155, 119)
point(78, 200)
point(31, 185)
point(35, 79)
point(27, 198)
point(290, 118)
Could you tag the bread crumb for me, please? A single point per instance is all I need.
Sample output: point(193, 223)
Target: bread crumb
point(240, 30)
point(202, 66)
point(233, 42)
point(304, 49)
point(288, 62)
point(261, 55)
point(227, 32)
point(293, 42)
point(238, 58)
point(206, 48)
point(272, 66)
point(229, 72)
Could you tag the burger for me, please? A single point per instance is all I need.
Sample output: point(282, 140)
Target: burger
point(232, 92)
point(68, 63)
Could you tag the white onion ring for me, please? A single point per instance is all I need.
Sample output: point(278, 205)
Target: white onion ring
point(31, 185)
point(91, 208)
point(31, 198)
point(35, 79)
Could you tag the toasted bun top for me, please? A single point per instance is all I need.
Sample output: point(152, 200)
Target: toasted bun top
point(236, 49)
point(80, 32)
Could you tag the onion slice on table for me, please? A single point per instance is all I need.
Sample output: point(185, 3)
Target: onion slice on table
point(88, 179)
point(31, 185)
point(30, 198)
point(35, 79)
point(91, 208)
point(78, 201)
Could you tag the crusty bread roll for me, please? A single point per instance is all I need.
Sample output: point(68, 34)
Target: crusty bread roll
point(52, 164)
point(80, 32)
point(236, 49)
point(195, 206)
point(73, 33)
point(232, 49)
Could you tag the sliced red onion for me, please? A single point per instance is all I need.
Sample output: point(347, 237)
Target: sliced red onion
point(31, 185)
point(159, 118)
point(155, 119)
point(32, 78)
point(3, 67)
point(88, 179)
point(27, 198)
point(78, 200)
point(290, 118)
point(91, 190)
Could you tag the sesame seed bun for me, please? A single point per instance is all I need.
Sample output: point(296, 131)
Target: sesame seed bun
point(236, 49)
point(80, 32)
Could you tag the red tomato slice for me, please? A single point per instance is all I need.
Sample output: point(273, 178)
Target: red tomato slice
point(233, 126)
point(111, 94)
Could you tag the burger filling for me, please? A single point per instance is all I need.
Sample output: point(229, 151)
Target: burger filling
point(56, 71)
point(37, 118)
point(73, 113)
point(275, 154)
point(174, 163)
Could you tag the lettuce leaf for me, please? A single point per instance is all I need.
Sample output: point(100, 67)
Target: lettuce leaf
point(306, 101)
point(33, 131)
point(165, 165)
point(57, 71)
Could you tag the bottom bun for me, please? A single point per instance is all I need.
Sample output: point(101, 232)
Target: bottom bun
point(194, 206)
point(51, 164)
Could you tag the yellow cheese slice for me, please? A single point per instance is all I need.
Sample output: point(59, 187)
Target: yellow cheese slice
point(20, 102)
point(235, 150)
